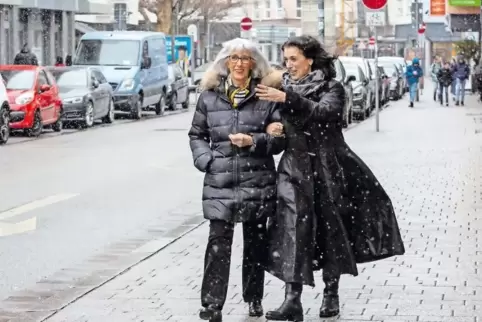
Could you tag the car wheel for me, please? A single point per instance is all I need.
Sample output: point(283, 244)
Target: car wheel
point(4, 125)
point(58, 125)
point(89, 116)
point(37, 126)
point(173, 103)
point(110, 117)
point(136, 114)
point(161, 106)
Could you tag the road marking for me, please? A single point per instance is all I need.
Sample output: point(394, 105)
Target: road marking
point(7, 229)
point(13, 212)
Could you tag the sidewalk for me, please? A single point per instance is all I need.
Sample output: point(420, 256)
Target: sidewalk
point(429, 160)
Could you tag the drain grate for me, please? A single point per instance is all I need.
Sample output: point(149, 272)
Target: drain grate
point(170, 130)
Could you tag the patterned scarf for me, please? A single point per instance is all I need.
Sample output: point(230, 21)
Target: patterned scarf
point(306, 86)
point(236, 94)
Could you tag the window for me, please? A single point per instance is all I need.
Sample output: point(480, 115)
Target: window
point(70, 78)
point(100, 77)
point(256, 10)
point(267, 9)
point(298, 8)
point(18, 79)
point(279, 3)
point(108, 52)
point(42, 78)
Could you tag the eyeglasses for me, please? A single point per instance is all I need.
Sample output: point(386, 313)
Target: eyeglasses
point(236, 58)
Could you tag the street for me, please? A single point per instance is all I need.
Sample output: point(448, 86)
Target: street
point(117, 210)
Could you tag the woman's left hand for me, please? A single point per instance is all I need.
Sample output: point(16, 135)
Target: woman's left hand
point(271, 94)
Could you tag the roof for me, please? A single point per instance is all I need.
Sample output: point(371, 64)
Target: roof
point(122, 35)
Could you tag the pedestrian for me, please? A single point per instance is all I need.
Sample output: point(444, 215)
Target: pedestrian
point(434, 69)
point(25, 57)
point(444, 78)
point(461, 72)
point(59, 62)
point(478, 79)
point(68, 60)
point(453, 63)
point(229, 143)
point(332, 211)
point(414, 73)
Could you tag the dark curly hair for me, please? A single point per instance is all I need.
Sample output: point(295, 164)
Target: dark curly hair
point(312, 49)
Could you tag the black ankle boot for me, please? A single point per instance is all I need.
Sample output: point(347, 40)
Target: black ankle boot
point(331, 301)
point(255, 308)
point(211, 314)
point(291, 309)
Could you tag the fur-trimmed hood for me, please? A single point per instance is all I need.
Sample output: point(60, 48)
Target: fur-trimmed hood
point(211, 79)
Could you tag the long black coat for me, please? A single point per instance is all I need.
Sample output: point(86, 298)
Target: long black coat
point(240, 183)
point(331, 206)
point(25, 57)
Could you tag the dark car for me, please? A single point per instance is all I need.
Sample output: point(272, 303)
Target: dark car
point(178, 88)
point(343, 78)
point(86, 95)
point(359, 83)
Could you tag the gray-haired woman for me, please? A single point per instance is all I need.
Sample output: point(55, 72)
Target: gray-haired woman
point(229, 142)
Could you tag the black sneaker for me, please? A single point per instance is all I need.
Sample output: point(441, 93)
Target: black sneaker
point(457, 103)
point(447, 104)
point(411, 104)
point(462, 103)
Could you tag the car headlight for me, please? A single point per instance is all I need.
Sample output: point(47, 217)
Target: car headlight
point(127, 84)
point(73, 100)
point(25, 98)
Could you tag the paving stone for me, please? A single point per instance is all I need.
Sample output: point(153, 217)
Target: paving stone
point(429, 160)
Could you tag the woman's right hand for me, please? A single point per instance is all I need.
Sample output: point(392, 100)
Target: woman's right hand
point(275, 129)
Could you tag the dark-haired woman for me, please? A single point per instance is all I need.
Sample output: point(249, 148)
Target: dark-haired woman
point(332, 211)
point(59, 62)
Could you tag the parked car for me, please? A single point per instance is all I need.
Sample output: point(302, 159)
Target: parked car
point(178, 88)
point(377, 74)
point(369, 75)
point(86, 95)
point(135, 65)
point(198, 75)
point(385, 85)
point(4, 114)
point(34, 99)
point(343, 78)
point(401, 63)
point(395, 77)
point(360, 89)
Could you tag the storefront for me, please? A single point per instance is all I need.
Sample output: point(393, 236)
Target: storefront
point(46, 26)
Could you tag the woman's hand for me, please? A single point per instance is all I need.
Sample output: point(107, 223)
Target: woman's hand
point(275, 129)
point(271, 94)
point(241, 140)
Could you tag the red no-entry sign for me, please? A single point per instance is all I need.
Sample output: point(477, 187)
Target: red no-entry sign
point(246, 23)
point(374, 4)
point(422, 28)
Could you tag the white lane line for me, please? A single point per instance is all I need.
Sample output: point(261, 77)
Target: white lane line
point(36, 205)
point(18, 228)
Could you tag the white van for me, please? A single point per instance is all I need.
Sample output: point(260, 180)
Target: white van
point(4, 114)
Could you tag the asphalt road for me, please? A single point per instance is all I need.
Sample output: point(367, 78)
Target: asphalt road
point(65, 198)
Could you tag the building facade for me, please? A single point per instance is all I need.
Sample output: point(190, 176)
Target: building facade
point(46, 26)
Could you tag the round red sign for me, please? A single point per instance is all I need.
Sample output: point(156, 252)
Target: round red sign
point(422, 28)
point(246, 23)
point(374, 4)
point(371, 41)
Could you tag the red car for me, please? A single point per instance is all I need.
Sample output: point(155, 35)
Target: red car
point(34, 99)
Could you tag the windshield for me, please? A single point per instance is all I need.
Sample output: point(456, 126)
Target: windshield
point(108, 52)
point(18, 79)
point(70, 78)
point(389, 68)
point(352, 70)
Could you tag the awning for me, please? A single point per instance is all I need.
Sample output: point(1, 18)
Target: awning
point(77, 6)
point(83, 28)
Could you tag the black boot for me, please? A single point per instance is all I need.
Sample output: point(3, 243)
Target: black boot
point(255, 308)
point(291, 309)
point(211, 314)
point(331, 302)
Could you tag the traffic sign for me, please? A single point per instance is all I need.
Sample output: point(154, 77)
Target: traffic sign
point(246, 23)
point(375, 18)
point(192, 31)
point(422, 28)
point(371, 41)
point(374, 4)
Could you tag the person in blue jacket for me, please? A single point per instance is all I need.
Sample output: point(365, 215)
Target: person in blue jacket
point(413, 74)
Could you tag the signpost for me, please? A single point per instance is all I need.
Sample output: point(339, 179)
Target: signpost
point(374, 19)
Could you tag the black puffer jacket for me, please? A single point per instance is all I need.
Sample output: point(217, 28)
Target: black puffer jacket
point(240, 183)
point(25, 57)
point(444, 76)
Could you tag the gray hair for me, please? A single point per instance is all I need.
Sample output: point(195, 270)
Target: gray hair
point(261, 68)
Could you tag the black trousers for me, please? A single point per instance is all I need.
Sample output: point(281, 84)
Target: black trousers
point(217, 262)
